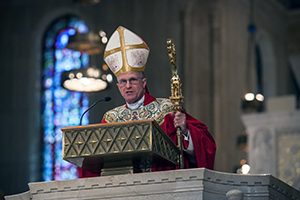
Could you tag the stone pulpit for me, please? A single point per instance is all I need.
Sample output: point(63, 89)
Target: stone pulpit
point(126, 152)
point(184, 184)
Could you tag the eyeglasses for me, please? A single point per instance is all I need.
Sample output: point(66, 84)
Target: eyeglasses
point(132, 81)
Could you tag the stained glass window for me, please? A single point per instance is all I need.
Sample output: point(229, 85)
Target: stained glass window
point(60, 108)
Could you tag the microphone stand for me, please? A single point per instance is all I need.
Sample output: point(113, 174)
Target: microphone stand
point(93, 105)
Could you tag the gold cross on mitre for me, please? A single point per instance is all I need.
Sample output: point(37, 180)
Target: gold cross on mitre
point(126, 51)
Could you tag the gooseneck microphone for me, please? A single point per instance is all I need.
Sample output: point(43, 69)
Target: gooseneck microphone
point(93, 105)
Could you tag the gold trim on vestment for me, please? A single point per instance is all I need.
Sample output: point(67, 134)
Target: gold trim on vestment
point(156, 110)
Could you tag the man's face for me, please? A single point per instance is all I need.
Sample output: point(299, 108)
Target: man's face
point(131, 86)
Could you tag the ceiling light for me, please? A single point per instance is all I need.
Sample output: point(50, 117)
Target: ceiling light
point(84, 80)
point(90, 43)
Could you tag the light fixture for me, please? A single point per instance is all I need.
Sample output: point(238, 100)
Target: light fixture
point(90, 43)
point(251, 101)
point(85, 80)
point(244, 167)
point(89, 79)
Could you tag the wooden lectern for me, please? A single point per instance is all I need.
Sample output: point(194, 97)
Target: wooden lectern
point(119, 148)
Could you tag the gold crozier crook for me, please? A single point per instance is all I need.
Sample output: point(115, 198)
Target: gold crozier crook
point(176, 95)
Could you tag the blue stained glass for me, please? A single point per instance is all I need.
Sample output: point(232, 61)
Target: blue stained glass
point(49, 42)
point(48, 93)
point(60, 107)
point(63, 40)
point(59, 55)
point(77, 55)
point(82, 28)
point(85, 60)
point(71, 31)
point(48, 83)
point(79, 26)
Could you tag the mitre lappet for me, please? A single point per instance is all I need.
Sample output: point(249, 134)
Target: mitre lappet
point(125, 52)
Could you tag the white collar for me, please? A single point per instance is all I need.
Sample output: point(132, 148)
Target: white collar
point(137, 104)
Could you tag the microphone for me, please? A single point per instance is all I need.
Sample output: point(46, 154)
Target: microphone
point(93, 105)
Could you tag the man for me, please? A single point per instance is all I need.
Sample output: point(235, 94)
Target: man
point(126, 55)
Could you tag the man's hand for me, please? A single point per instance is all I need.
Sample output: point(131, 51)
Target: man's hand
point(180, 121)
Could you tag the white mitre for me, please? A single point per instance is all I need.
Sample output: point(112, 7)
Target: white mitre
point(125, 51)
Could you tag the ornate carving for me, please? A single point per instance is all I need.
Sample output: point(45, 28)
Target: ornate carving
point(176, 91)
point(121, 138)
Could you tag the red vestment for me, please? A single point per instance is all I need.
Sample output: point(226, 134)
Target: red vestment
point(203, 142)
